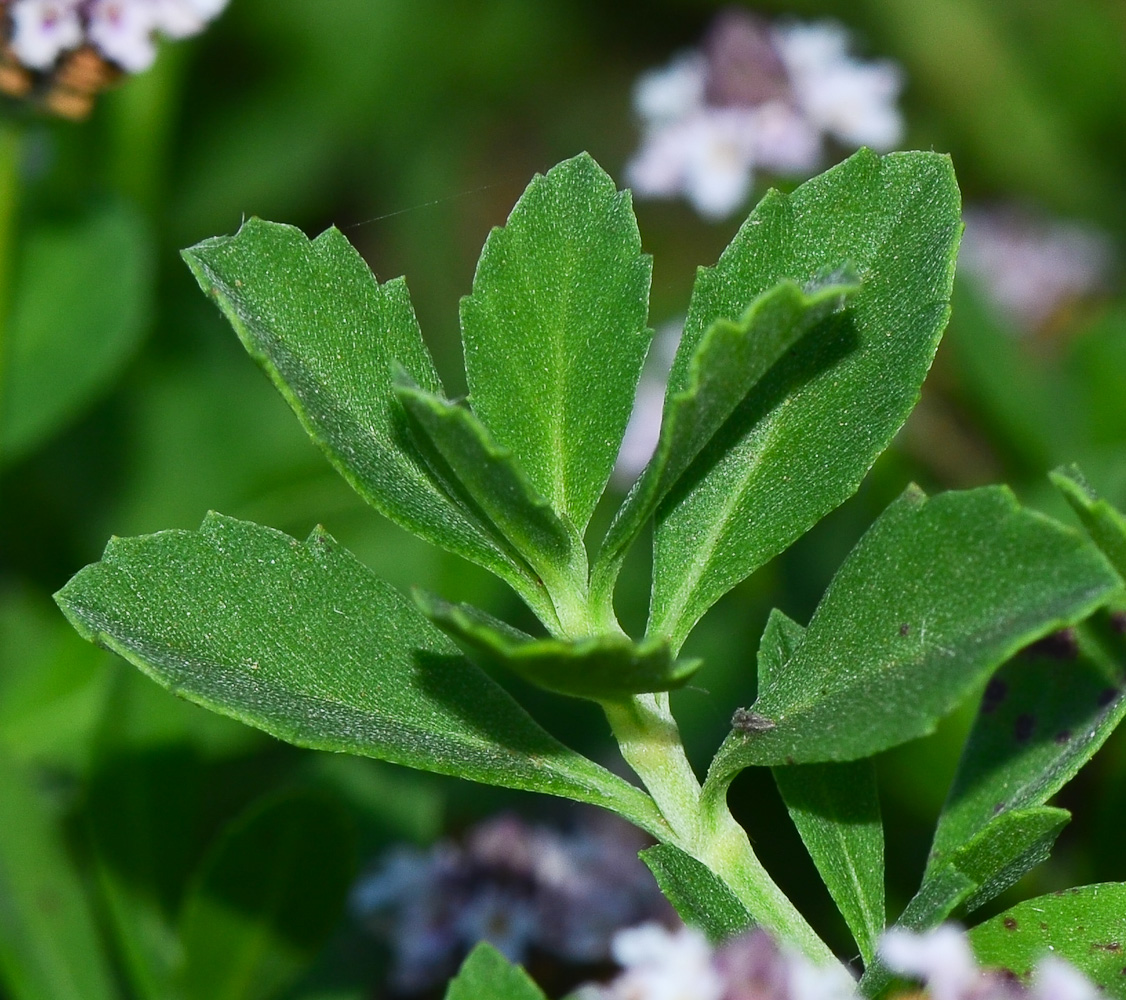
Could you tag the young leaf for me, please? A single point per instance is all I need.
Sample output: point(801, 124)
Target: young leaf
point(487, 975)
point(602, 668)
point(699, 896)
point(495, 484)
point(267, 898)
point(836, 809)
point(1105, 525)
point(301, 640)
point(936, 594)
point(808, 432)
point(1042, 717)
point(555, 332)
point(1084, 926)
point(730, 358)
point(311, 313)
point(49, 946)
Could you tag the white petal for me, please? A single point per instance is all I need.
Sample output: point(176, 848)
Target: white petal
point(940, 957)
point(1056, 980)
point(122, 31)
point(42, 29)
point(667, 95)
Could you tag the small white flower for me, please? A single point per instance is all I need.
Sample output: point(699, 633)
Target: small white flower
point(853, 101)
point(669, 94)
point(122, 30)
point(664, 965)
point(941, 957)
point(1056, 980)
point(43, 29)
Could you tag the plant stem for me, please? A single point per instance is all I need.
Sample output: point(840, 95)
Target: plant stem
point(11, 147)
point(650, 742)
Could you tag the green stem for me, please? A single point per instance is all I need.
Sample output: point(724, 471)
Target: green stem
point(11, 147)
point(650, 742)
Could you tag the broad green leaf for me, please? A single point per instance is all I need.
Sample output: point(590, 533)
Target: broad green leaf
point(700, 896)
point(487, 975)
point(602, 668)
point(49, 946)
point(312, 314)
point(301, 640)
point(1042, 717)
point(729, 359)
point(990, 862)
point(555, 332)
point(936, 594)
point(80, 306)
point(1085, 926)
point(804, 437)
point(266, 898)
point(1105, 524)
point(495, 484)
point(836, 809)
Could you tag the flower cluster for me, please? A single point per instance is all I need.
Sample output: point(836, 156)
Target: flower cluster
point(71, 49)
point(659, 964)
point(523, 888)
point(1031, 267)
point(757, 96)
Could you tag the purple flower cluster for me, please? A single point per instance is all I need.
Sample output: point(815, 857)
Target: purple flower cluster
point(526, 889)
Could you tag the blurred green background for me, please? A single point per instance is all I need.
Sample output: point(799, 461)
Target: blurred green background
point(413, 125)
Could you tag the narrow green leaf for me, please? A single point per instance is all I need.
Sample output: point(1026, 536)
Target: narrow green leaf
point(301, 640)
point(495, 484)
point(49, 947)
point(700, 897)
point(602, 668)
point(727, 362)
point(808, 432)
point(936, 594)
point(311, 313)
point(487, 975)
point(1085, 926)
point(555, 332)
point(1043, 716)
point(836, 809)
point(1105, 524)
point(267, 898)
point(81, 304)
point(989, 863)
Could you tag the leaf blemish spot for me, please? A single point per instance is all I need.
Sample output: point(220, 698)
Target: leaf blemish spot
point(1010, 924)
point(745, 721)
point(995, 693)
point(1106, 696)
point(1063, 736)
point(1118, 622)
point(904, 629)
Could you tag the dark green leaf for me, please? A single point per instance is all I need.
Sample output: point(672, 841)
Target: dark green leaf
point(555, 332)
point(1105, 525)
point(602, 668)
point(1043, 716)
point(302, 641)
point(49, 947)
point(729, 359)
point(80, 306)
point(327, 333)
point(700, 897)
point(1085, 926)
point(487, 975)
point(267, 898)
point(936, 594)
point(497, 486)
point(835, 807)
point(808, 432)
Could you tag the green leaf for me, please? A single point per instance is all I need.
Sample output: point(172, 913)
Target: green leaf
point(936, 594)
point(487, 975)
point(81, 303)
point(994, 859)
point(700, 897)
point(49, 947)
point(802, 440)
point(555, 332)
point(602, 668)
point(836, 809)
point(1043, 716)
point(267, 898)
point(1105, 525)
point(496, 485)
point(327, 333)
point(1085, 926)
point(729, 359)
point(301, 640)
